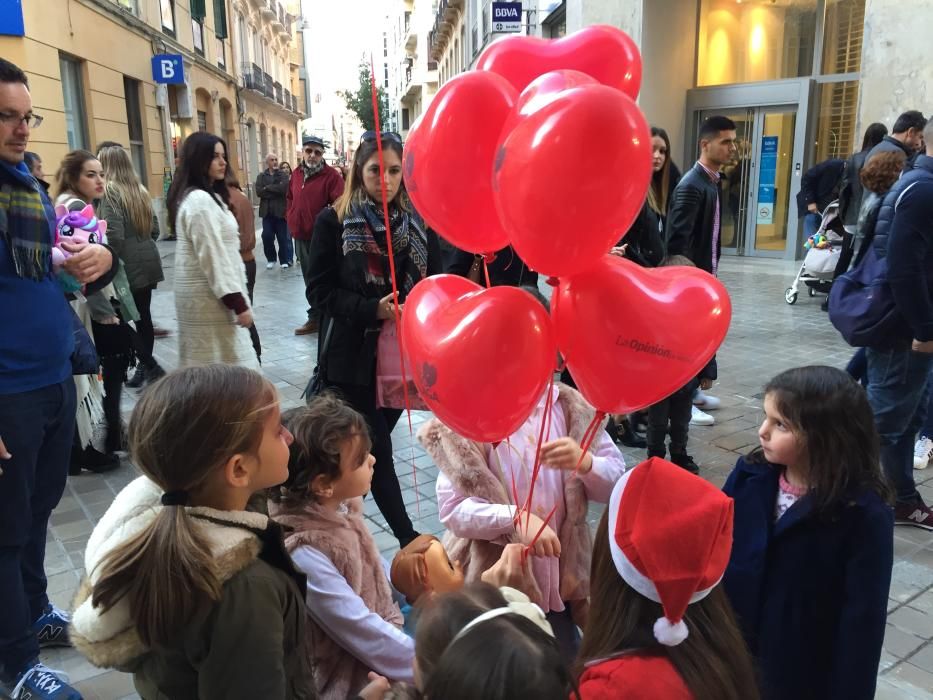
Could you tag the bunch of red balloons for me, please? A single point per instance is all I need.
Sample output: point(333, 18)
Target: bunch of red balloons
point(543, 148)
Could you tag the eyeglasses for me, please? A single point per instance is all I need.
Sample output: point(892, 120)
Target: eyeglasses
point(31, 120)
point(386, 136)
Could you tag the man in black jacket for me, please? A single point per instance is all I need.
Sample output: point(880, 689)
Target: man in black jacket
point(899, 367)
point(694, 221)
point(906, 135)
point(819, 186)
point(271, 188)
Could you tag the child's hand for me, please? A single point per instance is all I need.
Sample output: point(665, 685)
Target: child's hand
point(706, 384)
point(547, 545)
point(377, 687)
point(565, 453)
point(245, 319)
point(509, 570)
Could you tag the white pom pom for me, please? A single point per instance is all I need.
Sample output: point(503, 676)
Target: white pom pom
point(668, 633)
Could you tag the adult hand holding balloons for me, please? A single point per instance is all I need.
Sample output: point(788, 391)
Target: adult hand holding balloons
point(481, 358)
point(632, 336)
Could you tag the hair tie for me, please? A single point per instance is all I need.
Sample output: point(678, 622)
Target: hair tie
point(175, 498)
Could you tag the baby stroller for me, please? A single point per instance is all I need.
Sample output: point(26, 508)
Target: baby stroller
point(829, 252)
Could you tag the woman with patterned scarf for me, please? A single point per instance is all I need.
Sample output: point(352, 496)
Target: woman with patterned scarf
point(351, 285)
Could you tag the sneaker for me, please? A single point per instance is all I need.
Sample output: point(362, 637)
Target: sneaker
point(92, 460)
point(40, 682)
point(923, 450)
point(154, 374)
point(270, 265)
point(138, 378)
point(697, 417)
point(285, 266)
point(308, 328)
point(52, 628)
point(160, 332)
point(685, 461)
point(917, 514)
point(705, 401)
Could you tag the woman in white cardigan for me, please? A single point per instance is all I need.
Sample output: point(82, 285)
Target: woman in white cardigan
point(211, 303)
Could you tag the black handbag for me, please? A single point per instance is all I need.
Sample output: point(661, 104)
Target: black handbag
point(316, 383)
point(84, 358)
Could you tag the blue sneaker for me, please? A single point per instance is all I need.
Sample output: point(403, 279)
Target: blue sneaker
point(39, 682)
point(52, 628)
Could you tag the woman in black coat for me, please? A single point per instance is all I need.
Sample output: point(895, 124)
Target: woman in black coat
point(350, 282)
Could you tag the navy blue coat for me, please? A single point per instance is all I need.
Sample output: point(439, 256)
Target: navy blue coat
point(810, 592)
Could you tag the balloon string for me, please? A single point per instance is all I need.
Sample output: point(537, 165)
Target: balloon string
point(395, 305)
point(589, 437)
point(486, 271)
point(531, 545)
point(537, 465)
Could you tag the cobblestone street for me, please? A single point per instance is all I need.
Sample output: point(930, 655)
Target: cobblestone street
point(766, 336)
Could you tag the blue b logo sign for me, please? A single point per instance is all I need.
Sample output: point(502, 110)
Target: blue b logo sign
point(168, 68)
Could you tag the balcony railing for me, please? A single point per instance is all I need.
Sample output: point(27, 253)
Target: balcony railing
point(277, 92)
point(287, 99)
point(268, 87)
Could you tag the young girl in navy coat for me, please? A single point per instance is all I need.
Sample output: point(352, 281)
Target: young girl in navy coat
point(813, 539)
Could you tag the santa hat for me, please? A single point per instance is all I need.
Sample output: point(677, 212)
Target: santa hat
point(670, 534)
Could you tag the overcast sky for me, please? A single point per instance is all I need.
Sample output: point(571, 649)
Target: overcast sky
point(340, 32)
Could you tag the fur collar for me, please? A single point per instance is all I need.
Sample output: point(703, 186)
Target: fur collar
point(108, 638)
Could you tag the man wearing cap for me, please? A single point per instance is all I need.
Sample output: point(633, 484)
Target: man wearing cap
point(271, 187)
point(314, 186)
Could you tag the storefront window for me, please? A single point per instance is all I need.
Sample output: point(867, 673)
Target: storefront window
point(842, 36)
point(835, 135)
point(743, 41)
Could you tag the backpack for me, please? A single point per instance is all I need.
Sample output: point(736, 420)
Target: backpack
point(861, 304)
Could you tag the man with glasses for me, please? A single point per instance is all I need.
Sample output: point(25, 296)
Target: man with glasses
point(37, 399)
point(314, 185)
point(271, 186)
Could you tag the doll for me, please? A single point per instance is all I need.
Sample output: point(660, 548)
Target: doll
point(74, 227)
point(424, 567)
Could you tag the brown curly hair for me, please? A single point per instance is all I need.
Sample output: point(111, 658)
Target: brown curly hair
point(882, 170)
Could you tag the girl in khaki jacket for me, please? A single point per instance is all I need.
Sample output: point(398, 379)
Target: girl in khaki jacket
point(187, 589)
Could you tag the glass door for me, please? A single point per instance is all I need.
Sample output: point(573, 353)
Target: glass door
point(757, 184)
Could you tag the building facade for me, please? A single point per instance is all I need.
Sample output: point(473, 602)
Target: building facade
point(801, 79)
point(413, 71)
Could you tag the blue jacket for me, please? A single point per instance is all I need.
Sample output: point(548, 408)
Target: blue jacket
point(810, 592)
point(905, 238)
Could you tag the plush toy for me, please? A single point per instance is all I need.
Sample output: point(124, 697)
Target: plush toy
point(819, 241)
point(74, 227)
point(424, 567)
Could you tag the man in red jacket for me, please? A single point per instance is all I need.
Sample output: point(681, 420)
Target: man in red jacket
point(314, 186)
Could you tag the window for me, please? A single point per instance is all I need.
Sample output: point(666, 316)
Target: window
point(202, 121)
point(755, 40)
point(168, 16)
point(243, 39)
point(73, 92)
point(220, 31)
point(406, 119)
point(554, 25)
point(835, 132)
point(134, 120)
point(197, 34)
point(129, 6)
point(221, 52)
point(842, 36)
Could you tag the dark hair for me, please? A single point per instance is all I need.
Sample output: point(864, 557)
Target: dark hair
point(712, 126)
point(354, 191)
point(320, 430)
point(519, 661)
point(912, 119)
point(882, 170)
point(713, 660)
point(107, 144)
point(11, 73)
point(284, 164)
point(30, 157)
point(661, 181)
point(231, 179)
point(184, 427)
point(197, 152)
point(874, 134)
point(829, 412)
point(69, 172)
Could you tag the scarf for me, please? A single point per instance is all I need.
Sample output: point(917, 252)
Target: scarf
point(364, 247)
point(26, 222)
point(311, 170)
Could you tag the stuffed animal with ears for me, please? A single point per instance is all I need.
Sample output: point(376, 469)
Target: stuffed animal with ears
point(74, 226)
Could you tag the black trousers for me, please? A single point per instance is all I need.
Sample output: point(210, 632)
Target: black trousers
point(386, 490)
point(671, 416)
point(144, 338)
point(250, 266)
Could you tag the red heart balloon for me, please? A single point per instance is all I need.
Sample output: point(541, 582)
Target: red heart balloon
point(542, 91)
point(606, 53)
point(632, 336)
point(449, 160)
point(571, 176)
point(481, 358)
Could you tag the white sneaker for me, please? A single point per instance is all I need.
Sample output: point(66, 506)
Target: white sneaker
point(269, 266)
point(710, 403)
point(923, 450)
point(285, 266)
point(697, 417)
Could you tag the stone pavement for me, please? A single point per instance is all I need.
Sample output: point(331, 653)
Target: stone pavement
point(767, 336)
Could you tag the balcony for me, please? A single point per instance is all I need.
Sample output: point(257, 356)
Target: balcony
point(287, 99)
point(267, 9)
point(447, 15)
point(278, 21)
point(277, 93)
point(268, 87)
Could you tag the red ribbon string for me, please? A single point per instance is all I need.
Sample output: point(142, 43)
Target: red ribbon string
point(545, 424)
point(395, 305)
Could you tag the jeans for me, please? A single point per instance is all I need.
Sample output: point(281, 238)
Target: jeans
point(811, 223)
point(385, 488)
point(565, 632)
point(858, 367)
point(37, 428)
point(304, 259)
point(671, 416)
point(898, 394)
point(927, 429)
point(274, 229)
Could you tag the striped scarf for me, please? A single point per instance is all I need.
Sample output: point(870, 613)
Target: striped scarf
point(26, 222)
point(364, 247)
